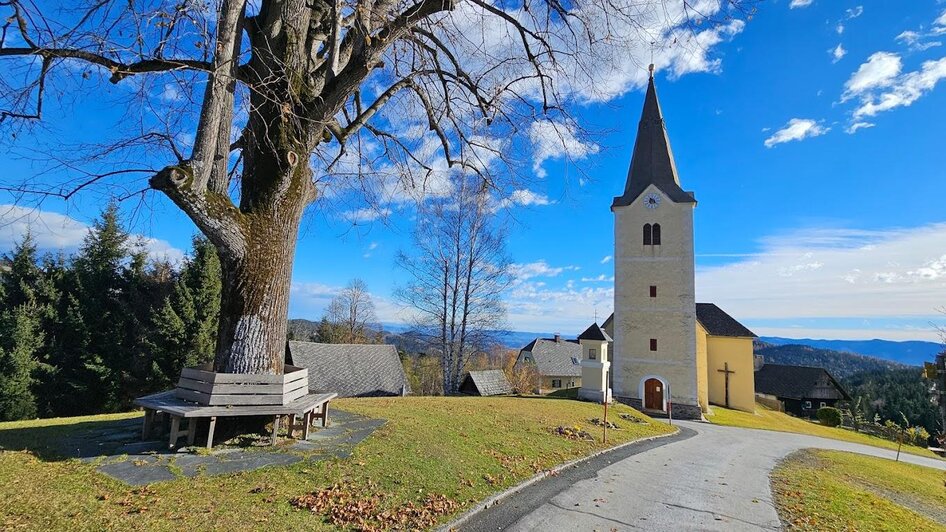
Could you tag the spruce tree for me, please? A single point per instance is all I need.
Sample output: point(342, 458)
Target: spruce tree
point(184, 327)
point(20, 339)
point(103, 358)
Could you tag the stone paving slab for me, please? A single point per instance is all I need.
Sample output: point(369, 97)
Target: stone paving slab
point(114, 448)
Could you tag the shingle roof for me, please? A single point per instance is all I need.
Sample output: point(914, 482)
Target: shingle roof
point(718, 323)
point(555, 359)
point(652, 162)
point(594, 333)
point(488, 382)
point(798, 382)
point(350, 370)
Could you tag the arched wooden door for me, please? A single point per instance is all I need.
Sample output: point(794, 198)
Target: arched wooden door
point(653, 394)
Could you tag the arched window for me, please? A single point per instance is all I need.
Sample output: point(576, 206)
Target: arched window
point(656, 235)
point(647, 235)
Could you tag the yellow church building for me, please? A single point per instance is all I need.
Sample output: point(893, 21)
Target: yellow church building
point(665, 352)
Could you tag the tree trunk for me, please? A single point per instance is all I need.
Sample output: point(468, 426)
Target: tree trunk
point(254, 302)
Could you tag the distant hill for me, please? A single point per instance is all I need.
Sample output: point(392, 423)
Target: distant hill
point(912, 353)
point(841, 364)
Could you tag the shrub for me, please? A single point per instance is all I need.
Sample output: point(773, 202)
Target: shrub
point(829, 416)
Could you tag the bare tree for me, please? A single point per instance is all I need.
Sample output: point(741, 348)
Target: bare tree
point(351, 313)
point(458, 272)
point(272, 103)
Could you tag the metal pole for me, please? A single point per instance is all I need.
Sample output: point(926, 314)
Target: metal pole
point(604, 439)
point(669, 405)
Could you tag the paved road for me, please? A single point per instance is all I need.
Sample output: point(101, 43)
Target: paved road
point(707, 478)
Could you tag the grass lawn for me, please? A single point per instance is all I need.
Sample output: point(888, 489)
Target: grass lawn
point(768, 419)
point(831, 490)
point(433, 459)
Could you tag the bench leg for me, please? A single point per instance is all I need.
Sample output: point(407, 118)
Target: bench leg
point(292, 424)
point(325, 415)
point(306, 422)
point(275, 429)
point(210, 432)
point(146, 426)
point(191, 431)
point(175, 426)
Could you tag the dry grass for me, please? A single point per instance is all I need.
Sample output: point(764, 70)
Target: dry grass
point(463, 449)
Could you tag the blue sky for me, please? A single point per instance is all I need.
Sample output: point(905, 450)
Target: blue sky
point(813, 137)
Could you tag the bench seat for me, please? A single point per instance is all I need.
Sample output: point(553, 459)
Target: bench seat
point(309, 407)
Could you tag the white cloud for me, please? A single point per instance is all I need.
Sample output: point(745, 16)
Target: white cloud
point(535, 307)
point(904, 90)
point(915, 41)
point(599, 279)
point(941, 20)
point(796, 129)
point(555, 140)
point(53, 231)
point(171, 93)
point(309, 300)
point(879, 71)
point(606, 259)
point(839, 28)
point(854, 12)
point(525, 271)
point(800, 3)
point(365, 215)
point(837, 53)
point(835, 273)
point(523, 197)
point(858, 125)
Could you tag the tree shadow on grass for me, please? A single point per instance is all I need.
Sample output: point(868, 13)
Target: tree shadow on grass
point(93, 439)
point(83, 439)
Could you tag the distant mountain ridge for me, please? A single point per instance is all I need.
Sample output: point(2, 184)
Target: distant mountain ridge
point(912, 353)
point(841, 364)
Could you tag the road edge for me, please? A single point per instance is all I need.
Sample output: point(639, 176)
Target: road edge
point(495, 499)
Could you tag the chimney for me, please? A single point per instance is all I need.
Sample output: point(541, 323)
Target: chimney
point(758, 362)
point(558, 338)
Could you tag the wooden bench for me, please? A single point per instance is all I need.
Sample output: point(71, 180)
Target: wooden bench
point(310, 407)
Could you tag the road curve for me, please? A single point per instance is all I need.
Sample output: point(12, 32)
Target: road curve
point(708, 478)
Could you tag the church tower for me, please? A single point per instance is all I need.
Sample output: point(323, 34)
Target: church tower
point(655, 357)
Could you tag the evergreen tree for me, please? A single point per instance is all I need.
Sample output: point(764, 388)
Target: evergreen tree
point(102, 358)
point(184, 327)
point(20, 339)
point(20, 332)
point(20, 282)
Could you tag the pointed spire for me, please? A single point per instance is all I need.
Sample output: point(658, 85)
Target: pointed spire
point(652, 161)
point(595, 333)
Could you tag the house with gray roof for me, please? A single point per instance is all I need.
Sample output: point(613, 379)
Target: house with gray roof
point(485, 383)
point(350, 370)
point(556, 360)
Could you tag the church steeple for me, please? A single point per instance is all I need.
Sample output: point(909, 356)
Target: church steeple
point(652, 162)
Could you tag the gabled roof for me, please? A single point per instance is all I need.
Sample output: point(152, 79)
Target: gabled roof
point(718, 323)
point(487, 382)
point(595, 333)
point(652, 162)
point(350, 370)
point(552, 358)
point(798, 382)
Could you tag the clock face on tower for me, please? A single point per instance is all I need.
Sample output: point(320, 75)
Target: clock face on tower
point(652, 200)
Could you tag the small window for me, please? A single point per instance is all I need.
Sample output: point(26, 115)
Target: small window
point(556, 383)
point(647, 235)
point(653, 291)
point(591, 354)
point(653, 344)
point(656, 234)
point(823, 404)
point(806, 405)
